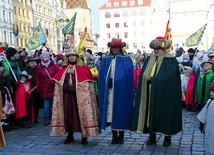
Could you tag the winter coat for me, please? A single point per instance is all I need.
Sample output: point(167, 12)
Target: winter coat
point(43, 82)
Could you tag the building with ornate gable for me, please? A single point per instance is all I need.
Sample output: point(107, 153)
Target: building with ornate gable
point(83, 19)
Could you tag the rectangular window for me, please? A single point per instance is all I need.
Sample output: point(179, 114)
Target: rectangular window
point(140, 2)
point(10, 17)
point(126, 35)
point(134, 24)
point(135, 45)
point(4, 16)
point(14, 10)
point(117, 35)
point(108, 4)
point(108, 35)
point(125, 24)
point(142, 23)
point(116, 25)
point(127, 46)
point(124, 3)
point(108, 25)
point(5, 36)
point(134, 35)
point(116, 4)
point(11, 38)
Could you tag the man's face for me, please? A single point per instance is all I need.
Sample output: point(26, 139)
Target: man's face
point(158, 52)
point(72, 58)
point(115, 50)
point(32, 64)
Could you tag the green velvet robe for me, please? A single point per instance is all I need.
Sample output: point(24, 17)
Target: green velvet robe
point(199, 98)
point(158, 106)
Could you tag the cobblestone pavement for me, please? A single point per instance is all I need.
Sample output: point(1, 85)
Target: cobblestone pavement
point(37, 141)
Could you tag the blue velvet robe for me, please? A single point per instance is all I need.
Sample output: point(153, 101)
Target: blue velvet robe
point(123, 97)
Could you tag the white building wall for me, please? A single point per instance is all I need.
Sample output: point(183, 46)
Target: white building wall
point(187, 16)
point(6, 22)
point(139, 28)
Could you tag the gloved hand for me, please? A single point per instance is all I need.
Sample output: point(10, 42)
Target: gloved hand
point(110, 84)
point(201, 127)
point(69, 89)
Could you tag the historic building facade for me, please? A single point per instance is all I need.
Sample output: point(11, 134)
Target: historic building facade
point(137, 22)
point(22, 17)
point(6, 22)
point(129, 20)
point(83, 20)
point(44, 12)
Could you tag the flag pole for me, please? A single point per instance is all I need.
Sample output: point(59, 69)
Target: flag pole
point(10, 67)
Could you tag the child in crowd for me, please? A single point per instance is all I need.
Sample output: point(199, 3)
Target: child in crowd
point(23, 104)
point(184, 83)
point(206, 118)
point(204, 81)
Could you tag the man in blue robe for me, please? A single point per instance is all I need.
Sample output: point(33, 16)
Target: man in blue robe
point(116, 91)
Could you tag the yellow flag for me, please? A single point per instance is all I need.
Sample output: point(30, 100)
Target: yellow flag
point(82, 45)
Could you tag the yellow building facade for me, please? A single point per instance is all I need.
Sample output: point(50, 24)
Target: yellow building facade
point(22, 14)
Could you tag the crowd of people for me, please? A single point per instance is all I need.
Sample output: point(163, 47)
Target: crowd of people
point(126, 91)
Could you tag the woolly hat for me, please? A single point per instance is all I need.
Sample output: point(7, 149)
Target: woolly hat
point(45, 54)
point(24, 73)
point(59, 56)
point(212, 87)
point(191, 50)
point(10, 51)
point(30, 58)
point(160, 43)
point(116, 43)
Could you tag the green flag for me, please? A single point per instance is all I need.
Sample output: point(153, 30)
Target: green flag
point(69, 28)
point(212, 47)
point(194, 39)
point(38, 38)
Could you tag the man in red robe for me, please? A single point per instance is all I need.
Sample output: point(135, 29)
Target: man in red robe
point(75, 106)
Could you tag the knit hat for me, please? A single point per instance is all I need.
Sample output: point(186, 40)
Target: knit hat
point(191, 50)
point(45, 54)
point(24, 73)
point(30, 58)
point(10, 51)
point(212, 87)
point(59, 56)
point(160, 43)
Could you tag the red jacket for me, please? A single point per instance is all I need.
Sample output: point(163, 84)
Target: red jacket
point(43, 81)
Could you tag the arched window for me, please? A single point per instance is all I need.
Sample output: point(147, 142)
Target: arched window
point(116, 14)
point(125, 14)
point(142, 12)
point(134, 13)
point(107, 15)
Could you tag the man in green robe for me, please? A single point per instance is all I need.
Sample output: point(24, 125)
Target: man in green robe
point(158, 103)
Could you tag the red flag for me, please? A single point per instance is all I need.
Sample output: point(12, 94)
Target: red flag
point(168, 35)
